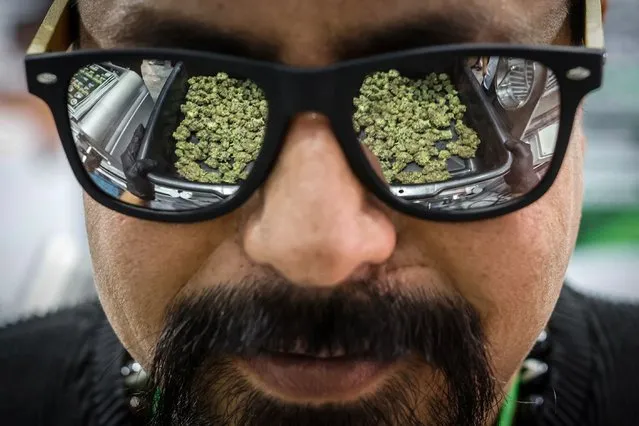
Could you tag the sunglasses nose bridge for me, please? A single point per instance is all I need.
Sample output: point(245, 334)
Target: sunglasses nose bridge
point(309, 91)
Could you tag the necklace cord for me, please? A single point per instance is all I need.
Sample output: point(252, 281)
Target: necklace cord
point(507, 413)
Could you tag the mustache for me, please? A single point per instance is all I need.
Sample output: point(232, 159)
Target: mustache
point(357, 319)
point(248, 320)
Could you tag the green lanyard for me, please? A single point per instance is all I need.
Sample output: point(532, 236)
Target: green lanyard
point(507, 414)
point(157, 395)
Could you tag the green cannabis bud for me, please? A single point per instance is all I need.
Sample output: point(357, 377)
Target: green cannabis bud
point(222, 130)
point(403, 121)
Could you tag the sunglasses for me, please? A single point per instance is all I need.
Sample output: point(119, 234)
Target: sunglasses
point(447, 133)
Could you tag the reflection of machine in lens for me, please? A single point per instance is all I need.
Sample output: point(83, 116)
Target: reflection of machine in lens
point(110, 114)
point(543, 126)
point(490, 72)
point(527, 100)
point(155, 73)
point(515, 79)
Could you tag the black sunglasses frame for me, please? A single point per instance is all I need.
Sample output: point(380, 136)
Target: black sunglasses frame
point(328, 91)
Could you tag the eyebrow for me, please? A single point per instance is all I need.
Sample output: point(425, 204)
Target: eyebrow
point(160, 30)
point(428, 30)
point(187, 34)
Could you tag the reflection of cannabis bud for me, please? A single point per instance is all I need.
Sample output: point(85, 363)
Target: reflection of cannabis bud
point(466, 144)
point(222, 130)
point(402, 120)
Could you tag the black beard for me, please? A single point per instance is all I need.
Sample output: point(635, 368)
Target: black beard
point(202, 333)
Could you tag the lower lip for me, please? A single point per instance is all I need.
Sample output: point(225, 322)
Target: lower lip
point(302, 378)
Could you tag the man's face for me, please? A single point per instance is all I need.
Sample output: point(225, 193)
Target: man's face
point(315, 230)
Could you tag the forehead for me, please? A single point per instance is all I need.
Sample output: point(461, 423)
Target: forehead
point(315, 25)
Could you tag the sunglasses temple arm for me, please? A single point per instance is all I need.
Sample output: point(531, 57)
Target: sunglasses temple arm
point(56, 33)
point(594, 34)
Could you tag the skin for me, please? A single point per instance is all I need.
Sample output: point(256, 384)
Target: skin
point(511, 269)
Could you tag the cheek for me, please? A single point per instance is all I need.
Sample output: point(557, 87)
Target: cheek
point(534, 264)
point(140, 266)
point(512, 268)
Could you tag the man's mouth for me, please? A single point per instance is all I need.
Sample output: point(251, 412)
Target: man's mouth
point(325, 376)
point(362, 349)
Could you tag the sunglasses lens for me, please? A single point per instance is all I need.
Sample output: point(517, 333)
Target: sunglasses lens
point(155, 134)
point(460, 133)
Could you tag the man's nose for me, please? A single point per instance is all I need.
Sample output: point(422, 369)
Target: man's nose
point(316, 224)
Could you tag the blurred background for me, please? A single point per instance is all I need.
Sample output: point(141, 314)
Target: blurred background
point(43, 250)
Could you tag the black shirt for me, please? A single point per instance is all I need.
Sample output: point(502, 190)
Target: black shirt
point(64, 369)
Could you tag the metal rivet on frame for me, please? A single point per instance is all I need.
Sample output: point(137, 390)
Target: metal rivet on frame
point(47, 78)
point(578, 74)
